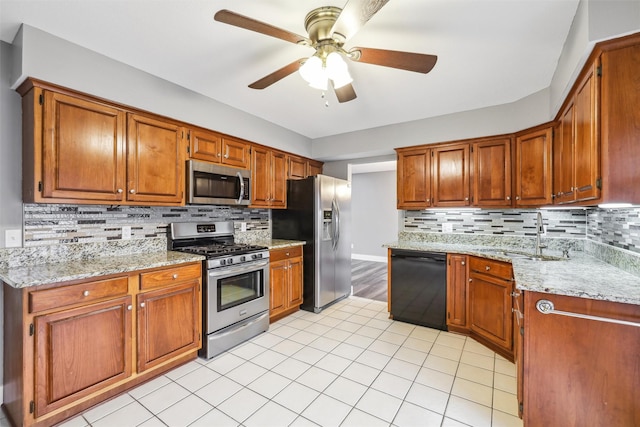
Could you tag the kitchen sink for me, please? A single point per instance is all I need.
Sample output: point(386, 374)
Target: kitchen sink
point(521, 255)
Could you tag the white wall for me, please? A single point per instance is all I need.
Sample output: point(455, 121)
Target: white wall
point(374, 215)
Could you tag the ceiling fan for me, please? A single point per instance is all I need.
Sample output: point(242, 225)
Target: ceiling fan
point(329, 28)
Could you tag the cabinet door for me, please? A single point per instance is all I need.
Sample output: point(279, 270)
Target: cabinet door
point(205, 145)
point(83, 149)
point(564, 167)
point(168, 323)
point(457, 287)
point(414, 179)
point(295, 282)
point(451, 175)
point(278, 180)
point(235, 153)
point(297, 168)
point(155, 161)
point(260, 176)
point(278, 281)
point(314, 168)
point(581, 372)
point(492, 173)
point(533, 168)
point(81, 351)
point(586, 144)
point(518, 345)
point(490, 309)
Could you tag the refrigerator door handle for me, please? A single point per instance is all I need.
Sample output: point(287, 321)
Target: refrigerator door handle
point(337, 223)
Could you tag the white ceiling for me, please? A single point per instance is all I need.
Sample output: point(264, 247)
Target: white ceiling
point(490, 52)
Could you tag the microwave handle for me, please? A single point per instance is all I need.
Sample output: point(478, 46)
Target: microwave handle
point(241, 188)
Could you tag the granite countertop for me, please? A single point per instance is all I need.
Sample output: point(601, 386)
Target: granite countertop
point(278, 243)
point(581, 276)
point(39, 274)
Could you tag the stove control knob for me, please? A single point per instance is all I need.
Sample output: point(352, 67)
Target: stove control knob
point(223, 261)
point(230, 261)
point(243, 258)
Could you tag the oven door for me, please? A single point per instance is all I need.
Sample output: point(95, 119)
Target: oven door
point(235, 293)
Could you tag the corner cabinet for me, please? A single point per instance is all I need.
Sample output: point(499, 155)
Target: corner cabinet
point(77, 149)
point(268, 178)
point(72, 345)
point(300, 167)
point(285, 277)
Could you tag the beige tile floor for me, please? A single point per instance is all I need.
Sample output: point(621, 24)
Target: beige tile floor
point(347, 366)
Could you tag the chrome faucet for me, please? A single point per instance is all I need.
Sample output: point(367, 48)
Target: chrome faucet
point(539, 232)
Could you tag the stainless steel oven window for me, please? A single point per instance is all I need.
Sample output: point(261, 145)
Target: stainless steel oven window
point(236, 290)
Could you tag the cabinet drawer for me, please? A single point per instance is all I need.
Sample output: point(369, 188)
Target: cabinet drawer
point(491, 267)
point(285, 253)
point(168, 276)
point(75, 294)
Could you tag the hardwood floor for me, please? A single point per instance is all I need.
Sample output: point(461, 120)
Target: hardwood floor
point(369, 279)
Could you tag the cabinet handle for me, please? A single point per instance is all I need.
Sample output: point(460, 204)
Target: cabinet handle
point(466, 199)
point(515, 294)
point(175, 275)
point(132, 191)
point(462, 263)
point(546, 307)
point(508, 197)
point(487, 268)
point(517, 197)
point(287, 254)
point(85, 293)
point(428, 200)
point(226, 156)
point(470, 280)
point(119, 190)
point(129, 307)
point(219, 155)
point(142, 304)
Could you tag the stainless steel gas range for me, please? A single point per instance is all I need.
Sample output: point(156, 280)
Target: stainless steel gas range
point(236, 283)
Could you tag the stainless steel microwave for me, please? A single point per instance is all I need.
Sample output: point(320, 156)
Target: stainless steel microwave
point(212, 184)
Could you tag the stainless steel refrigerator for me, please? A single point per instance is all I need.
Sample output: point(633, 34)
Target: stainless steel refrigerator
point(319, 213)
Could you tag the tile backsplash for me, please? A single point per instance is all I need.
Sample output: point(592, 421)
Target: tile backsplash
point(615, 227)
point(571, 223)
point(52, 224)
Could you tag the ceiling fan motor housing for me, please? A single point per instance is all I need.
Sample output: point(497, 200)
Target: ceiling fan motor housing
point(319, 22)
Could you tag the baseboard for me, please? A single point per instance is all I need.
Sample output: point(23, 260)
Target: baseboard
point(369, 258)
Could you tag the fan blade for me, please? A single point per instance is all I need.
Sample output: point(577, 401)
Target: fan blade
point(418, 62)
point(283, 72)
point(354, 15)
point(345, 93)
point(232, 18)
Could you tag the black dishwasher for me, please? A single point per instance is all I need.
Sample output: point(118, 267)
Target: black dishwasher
point(419, 288)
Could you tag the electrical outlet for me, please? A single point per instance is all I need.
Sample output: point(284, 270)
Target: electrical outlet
point(243, 226)
point(13, 238)
point(447, 227)
point(126, 232)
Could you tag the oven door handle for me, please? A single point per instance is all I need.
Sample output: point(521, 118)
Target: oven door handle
point(239, 175)
point(240, 268)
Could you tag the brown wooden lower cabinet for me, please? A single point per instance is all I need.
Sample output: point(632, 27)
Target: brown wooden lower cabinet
point(580, 372)
point(457, 291)
point(285, 282)
point(71, 345)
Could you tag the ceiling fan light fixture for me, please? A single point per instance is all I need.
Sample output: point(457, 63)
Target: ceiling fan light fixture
point(337, 70)
point(314, 73)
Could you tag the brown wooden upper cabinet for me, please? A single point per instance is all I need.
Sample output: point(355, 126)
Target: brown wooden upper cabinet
point(155, 161)
point(81, 150)
point(414, 178)
point(492, 172)
point(314, 167)
point(576, 146)
point(533, 167)
point(268, 178)
point(451, 165)
point(300, 167)
point(217, 148)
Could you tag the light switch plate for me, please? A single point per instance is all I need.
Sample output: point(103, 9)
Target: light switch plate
point(243, 226)
point(13, 238)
